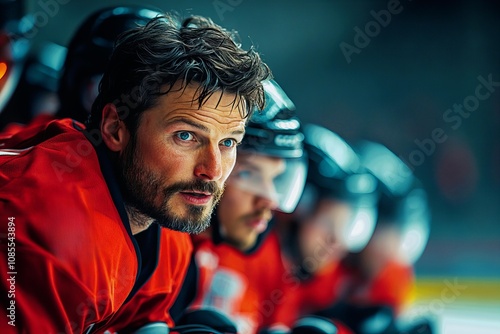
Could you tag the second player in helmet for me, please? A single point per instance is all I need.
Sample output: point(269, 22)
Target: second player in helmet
point(269, 173)
point(239, 258)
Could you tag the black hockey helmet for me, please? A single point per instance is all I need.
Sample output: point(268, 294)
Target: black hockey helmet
point(274, 131)
point(88, 54)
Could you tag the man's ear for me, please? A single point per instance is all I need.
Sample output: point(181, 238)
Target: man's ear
point(114, 132)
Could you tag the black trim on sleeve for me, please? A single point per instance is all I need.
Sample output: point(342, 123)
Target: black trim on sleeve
point(187, 293)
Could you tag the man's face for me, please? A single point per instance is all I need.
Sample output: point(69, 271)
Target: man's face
point(321, 236)
point(174, 168)
point(242, 213)
point(384, 246)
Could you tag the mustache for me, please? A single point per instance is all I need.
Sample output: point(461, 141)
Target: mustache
point(195, 186)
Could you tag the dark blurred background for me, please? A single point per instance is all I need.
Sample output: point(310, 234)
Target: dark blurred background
point(395, 79)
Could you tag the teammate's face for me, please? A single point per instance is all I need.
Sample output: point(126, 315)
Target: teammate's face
point(321, 237)
point(242, 214)
point(384, 246)
point(175, 167)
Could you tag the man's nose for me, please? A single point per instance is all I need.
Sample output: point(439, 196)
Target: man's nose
point(209, 164)
point(268, 197)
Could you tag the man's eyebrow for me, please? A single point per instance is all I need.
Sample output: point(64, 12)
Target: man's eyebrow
point(201, 126)
point(189, 122)
point(251, 165)
point(238, 132)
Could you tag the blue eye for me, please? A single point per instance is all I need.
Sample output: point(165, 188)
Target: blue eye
point(244, 174)
point(228, 142)
point(185, 135)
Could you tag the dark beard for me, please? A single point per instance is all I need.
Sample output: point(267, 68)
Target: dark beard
point(141, 188)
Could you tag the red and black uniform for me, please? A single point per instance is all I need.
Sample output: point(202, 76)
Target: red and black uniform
point(75, 262)
point(248, 287)
point(154, 300)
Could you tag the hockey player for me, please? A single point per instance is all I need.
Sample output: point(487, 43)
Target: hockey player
point(86, 206)
point(379, 280)
point(336, 214)
point(362, 287)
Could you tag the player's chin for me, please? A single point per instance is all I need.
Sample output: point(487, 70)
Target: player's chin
point(198, 217)
point(249, 241)
point(192, 225)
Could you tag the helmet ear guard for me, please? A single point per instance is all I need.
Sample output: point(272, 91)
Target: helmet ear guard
point(416, 225)
point(403, 204)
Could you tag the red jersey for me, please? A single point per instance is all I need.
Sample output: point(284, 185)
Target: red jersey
point(392, 287)
point(153, 301)
point(249, 288)
point(13, 128)
point(68, 259)
point(316, 293)
point(319, 291)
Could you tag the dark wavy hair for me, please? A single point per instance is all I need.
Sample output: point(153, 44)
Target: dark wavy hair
point(149, 60)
